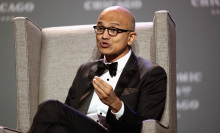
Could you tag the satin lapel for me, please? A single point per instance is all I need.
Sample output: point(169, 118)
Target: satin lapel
point(85, 99)
point(129, 73)
point(92, 73)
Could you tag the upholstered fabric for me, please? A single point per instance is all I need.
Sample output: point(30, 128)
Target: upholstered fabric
point(7, 130)
point(27, 53)
point(47, 60)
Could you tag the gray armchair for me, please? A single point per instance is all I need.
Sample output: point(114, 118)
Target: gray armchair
point(45, 68)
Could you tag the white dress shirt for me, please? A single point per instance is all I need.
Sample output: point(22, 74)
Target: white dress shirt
point(97, 108)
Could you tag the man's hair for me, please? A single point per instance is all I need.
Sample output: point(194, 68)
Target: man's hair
point(133, 24)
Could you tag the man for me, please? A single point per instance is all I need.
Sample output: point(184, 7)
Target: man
point(100, 100)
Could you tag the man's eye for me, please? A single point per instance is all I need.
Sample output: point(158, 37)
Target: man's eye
point(100, 28)
point(113, 30)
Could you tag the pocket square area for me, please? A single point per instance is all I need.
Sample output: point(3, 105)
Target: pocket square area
point(129, 91)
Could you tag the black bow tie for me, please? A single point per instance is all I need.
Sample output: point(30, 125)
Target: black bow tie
point(111, 67)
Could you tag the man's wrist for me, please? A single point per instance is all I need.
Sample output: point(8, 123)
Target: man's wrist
point(116, 106)
point(120, 112)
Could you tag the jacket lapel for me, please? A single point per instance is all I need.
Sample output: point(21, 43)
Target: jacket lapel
point(85, 99)
point(129, 73)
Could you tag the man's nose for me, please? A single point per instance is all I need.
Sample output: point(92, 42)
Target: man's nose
point(105, 34)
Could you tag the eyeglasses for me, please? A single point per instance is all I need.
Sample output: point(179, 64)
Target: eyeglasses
point(111, 30)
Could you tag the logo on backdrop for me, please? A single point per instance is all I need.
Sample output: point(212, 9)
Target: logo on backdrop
point(93, 5)
point(186, 82)
point(9, 9)
point(213, 4)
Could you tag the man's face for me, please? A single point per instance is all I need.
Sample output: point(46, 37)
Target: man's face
point(113, 47)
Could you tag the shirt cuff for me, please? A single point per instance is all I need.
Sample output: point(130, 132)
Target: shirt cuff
point(120, 112)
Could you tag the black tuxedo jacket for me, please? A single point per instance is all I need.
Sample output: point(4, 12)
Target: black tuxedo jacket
point(141, 87)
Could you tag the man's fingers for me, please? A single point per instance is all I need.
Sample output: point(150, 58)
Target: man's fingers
point(98, 90)
point(105, 87)
point(101, 82)
point(98, 84)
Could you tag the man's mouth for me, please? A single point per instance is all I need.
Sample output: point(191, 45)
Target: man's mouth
point(105, 44)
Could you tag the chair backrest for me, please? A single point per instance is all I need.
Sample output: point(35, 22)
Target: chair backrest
point(47, 60)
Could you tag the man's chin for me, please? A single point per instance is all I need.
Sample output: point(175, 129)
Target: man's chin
point(105, 51)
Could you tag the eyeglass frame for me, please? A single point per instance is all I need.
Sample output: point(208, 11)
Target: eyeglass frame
point(117, 29)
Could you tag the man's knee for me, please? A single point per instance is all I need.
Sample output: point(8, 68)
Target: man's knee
point(49, 105)
point(56, 128)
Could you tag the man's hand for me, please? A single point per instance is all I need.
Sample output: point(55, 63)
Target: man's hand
point(106, 94)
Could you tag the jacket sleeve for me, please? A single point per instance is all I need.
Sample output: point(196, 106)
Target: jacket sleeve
point(150, 105)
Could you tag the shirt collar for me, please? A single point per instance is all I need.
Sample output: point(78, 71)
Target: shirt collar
point(122, 61)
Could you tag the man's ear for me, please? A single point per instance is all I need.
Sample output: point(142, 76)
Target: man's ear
point(131, 38)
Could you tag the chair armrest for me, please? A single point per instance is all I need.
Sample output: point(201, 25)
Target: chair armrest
point(152, 126)
point(7, 130)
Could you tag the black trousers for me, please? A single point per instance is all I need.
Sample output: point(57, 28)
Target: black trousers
point(55, 117)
